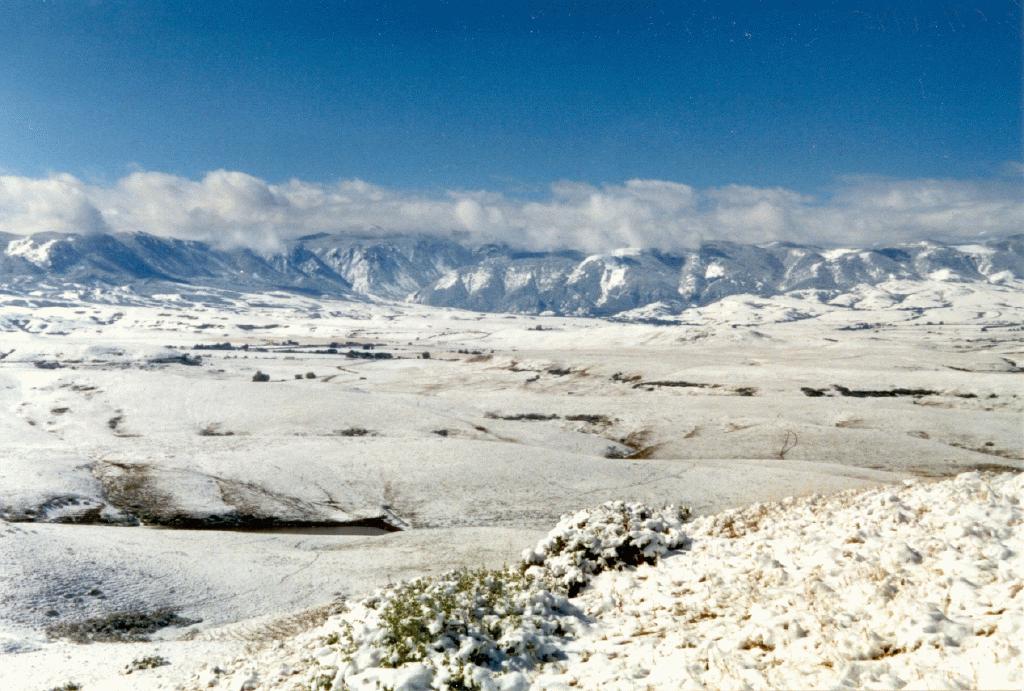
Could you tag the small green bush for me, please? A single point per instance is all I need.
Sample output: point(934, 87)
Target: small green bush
point(460, 625)
point(148, 662)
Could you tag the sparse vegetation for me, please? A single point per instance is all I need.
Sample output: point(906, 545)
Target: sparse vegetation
point(680, 384)
point(590, 419)
point(183, 359)
point(355, 432)
point(213, 430)
point(119, 626)
point(216, 346)
point(148, 662)
point(882, 393)
point(676, 384)
point(253, 327)
point(366, 355)
point(260, 377)
point(529, 417)
point(879, 393)
point(83, 388)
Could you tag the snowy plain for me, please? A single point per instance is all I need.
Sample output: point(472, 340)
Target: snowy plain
point(140, 473)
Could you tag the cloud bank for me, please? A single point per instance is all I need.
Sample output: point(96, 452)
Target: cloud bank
point(231, 208)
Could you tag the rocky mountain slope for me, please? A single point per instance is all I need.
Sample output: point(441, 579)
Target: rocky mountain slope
point(442, 271)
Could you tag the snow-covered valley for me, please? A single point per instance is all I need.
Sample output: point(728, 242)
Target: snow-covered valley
point(145, 469)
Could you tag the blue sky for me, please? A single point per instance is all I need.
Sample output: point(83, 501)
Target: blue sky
point(509, 97)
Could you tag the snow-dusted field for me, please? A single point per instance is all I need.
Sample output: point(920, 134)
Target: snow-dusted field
point(119, 452)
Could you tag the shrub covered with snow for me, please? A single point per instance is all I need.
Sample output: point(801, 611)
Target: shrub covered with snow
point(458, 630)
point(610, 536)
point(484, 628)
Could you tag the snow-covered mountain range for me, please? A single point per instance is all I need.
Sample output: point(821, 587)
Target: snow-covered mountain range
point(492, 278)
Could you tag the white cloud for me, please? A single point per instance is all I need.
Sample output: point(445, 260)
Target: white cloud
point(233, 208)
point(29, 205)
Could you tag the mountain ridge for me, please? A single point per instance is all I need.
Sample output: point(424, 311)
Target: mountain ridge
point(444, 272)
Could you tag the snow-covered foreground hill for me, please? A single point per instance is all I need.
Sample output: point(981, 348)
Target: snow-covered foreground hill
point(149, 487)
point(918, 586)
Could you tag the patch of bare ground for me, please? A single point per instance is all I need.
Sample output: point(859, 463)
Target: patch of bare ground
point(789, 442)
point(66, 508)
point(270, 630)
point(639, 444)
point(932, 403)
point(130, 488)
point(214, 430)
point(990, 449)
point(114, 424)
point(679, 384)
point(931, 472)
point(739, 522)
